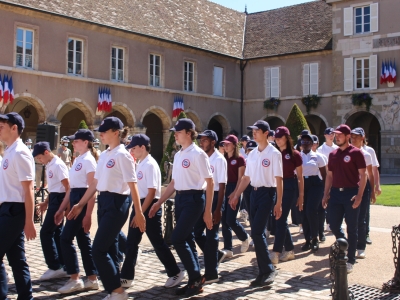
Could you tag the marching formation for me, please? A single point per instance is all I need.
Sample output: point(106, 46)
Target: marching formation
point(267, 178)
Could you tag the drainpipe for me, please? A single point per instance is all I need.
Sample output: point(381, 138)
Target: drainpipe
point(243, 64)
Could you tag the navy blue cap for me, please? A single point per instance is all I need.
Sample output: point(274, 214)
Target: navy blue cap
point(40, 148)
point(245, 138)
point(358, 131)
point(209, 134)
point(306, 133)
point(182, 124)
point(260, 124)
point(271, 133)
point(251, 145)
point(82, 134)
point(110, 123)
point(139, 140)
point(329, 130)
point(315, 139)
point(14, 119)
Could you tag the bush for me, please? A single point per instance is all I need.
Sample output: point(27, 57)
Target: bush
point(296, 122)
point(82, 125)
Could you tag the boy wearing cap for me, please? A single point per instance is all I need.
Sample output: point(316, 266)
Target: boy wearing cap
point(149, 185)
point(16, 186)
point(244, 140)
point(58, 185)
point(264, 172)
point(64, 152)
point(344, 188)
point(191, 175)
point(328, 146)
point(208, 242)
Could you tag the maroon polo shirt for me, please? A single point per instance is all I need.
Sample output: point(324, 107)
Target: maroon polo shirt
point(344, 166)
point(290, 163)
point(234, 163)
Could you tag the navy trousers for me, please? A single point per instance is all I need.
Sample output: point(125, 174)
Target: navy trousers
point(262, 202)
point(188, 209)
point(112, 213)
point(229, 220)
point(313, 193)
point(340, 206)
point(50, 234)
point(73, 228)
point(362, 224)
point(12, 222)
point(154, 233)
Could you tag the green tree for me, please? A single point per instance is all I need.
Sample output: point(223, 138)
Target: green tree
point(82, 125)
point(296, 122)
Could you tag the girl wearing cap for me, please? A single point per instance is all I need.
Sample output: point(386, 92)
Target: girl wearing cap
point(81, 176)
point(293, 189)
point(236, 166)
point(114, 178)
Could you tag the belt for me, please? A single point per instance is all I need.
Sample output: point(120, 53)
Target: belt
point(78, 189)
point(344, 189)
point(191, 192)
point(262, 187)
point(306, 177)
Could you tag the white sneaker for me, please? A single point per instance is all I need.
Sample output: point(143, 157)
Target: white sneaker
point(221, 256)
point(274, 257)
point(175, 280)
point(91, 284)
point(361, 254)
point(126, 283)
point(229, 253)
point(71, 286)
point(251, 243)
point(116, 296)
point(300, 229)
point(267, 233)
point(50, 274)
point(244, 215)
point(245, 244)
point(327, 227)
point(349, 268)
point(287, 255)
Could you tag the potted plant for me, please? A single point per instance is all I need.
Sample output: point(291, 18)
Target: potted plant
point(311, 101)
point(272, 103)
point(360, 99)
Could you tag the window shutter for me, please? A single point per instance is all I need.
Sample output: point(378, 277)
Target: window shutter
point(268, 83)
point(306, 79)
point(348, 74)
point(348, 21)
point(314, 80)
point(275, 82)
point(218, 77)
point(374, 17)
point(373, 72)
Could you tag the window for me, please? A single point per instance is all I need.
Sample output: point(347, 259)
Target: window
point(359, 20)
point(117, 64)
point(310, 79)
point(75, 56)
point(155, 61)
point(362, 20)
point(361, 73)
point(188, 77)
point(24, 49)
point(218, 81)
point(272, 82)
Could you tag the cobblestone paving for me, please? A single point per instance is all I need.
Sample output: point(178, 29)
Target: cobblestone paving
point(150, 278)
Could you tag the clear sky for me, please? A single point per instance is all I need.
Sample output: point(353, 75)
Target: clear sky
point(257, 5)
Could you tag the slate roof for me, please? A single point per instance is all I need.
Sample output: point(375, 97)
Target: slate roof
point(293, 29)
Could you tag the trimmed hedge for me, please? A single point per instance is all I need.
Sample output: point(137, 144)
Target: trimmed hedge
point(296, 122)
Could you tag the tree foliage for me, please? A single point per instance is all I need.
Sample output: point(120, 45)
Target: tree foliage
point(296, 122)
point(83, 125)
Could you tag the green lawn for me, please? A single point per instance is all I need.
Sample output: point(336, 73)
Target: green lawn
point(390, 195)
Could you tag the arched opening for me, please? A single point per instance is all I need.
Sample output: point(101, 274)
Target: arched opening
point(274, 122)
point(371, 126)
point(317, 126)
point(70, 116)
point(125, 114)
point(119, 115)
point(217, 128)
point(196, 120)
point(154, 130)
point(220, 125)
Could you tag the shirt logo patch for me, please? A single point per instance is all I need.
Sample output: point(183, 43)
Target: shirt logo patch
point(186, 163)
point(265, 163)
point(287, 156)
point(140, 175)
point(233, 162)
point(78, 167)
point(5, 164)
point(313, 158)
point(110, 163)
point(347, 159)
point(51, 174)
point(212, 168)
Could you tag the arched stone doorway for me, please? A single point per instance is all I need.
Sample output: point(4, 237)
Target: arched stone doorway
point(125, 114)
point(274, 122)
point(192, 115)
point(220, 125)
point(119, 115)
point(317, 126)
point(371, 126)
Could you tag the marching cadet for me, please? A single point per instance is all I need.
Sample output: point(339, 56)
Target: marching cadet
point(58, 185)
point(115, 178)
point(208, 242)
point(16, 196)
point(81, 176)
point(191, 175)
point(264, 172)
point(149, 185)
point(243, 141)
point(64, 152)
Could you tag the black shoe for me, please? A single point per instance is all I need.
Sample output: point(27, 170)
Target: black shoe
point(211, 279)
point(257, 281)
point(369, 242)
point(181, 290)
point(314, 245)
point(196, 287)
point(264, 280)
point(322, 237)
point(221, 256)
point(306, 246)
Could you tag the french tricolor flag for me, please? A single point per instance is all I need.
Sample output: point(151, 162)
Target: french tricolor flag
point(6, 90)
point(178, 106)
point(11, 88)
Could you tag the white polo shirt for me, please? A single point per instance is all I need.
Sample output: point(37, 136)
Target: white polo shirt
point(83, 165)
point(371, 151)
point(115, 169)
point(243, 152)
point(311, 163)
point(325, 160)
point(191, 167)
point(219, 169)
point(367, 156)
point(326, 150)
point(263, 167)
point(148, 177)
point(16, 166)
point(56, 171)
